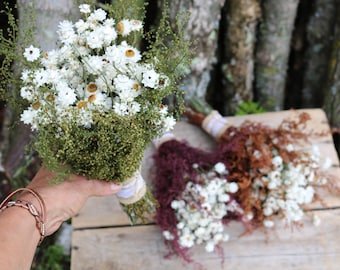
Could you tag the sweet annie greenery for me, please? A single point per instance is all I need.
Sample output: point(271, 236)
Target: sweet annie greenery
point(110, 150)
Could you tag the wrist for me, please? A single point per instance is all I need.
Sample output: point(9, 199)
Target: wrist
point(36, 209)
point(53, 217)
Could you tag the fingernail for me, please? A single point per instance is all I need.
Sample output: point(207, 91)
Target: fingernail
point(116, 187)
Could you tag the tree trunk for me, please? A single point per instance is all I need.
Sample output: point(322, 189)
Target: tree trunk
point(332, 100)
point(202, 29)
point(238, 57)
point(272, 51)
point(48, 14)
point(319, 37)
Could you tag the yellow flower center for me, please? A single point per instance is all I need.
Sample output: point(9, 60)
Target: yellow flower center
point(50, 97)
point(136, 22)
point(135, 86)
point(82, 104)
point(129, 53)
point(120, 27)
point(92, 98)
point(36, 105)
point(92, 87)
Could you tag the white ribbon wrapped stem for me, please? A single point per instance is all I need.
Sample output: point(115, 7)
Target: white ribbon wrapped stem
point(133, 189)
point(215, 125)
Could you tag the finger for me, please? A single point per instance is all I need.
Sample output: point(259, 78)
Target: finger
point(103, 188)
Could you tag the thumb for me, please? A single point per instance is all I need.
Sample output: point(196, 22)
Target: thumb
point(103, 188)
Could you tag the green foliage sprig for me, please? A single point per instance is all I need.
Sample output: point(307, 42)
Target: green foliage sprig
point(249, 107)
point(13, 40)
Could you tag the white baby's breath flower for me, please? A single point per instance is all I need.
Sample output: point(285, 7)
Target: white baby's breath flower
point(220, 168)
point(187, 240)
point(249, 216)
point(290, 147)
point(268, 223)
point(277, 162)
point(223, 198)
point(257, 154)
point(175, 204)
point(316, 220)
point(327, 163)
point(210, 246)
point(168, 236)
point(32, 53)
point(232, 187)
point(267, 211)
point(202, 208)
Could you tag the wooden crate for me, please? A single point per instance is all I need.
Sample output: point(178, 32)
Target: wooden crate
point(104, 239)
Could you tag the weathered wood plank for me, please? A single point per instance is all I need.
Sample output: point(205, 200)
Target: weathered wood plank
point(142, 247)
point(100, 212)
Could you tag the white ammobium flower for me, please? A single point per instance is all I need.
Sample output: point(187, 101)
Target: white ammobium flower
point(27, 93)
point(131, 54)
point(125, 27)
point(168, 123)
point(66, 95)
point(66, 32)
point(95, 40)
point(32, 53)
point(97, 15)
point(30, 117)
point(123, 82)
point(85, 8)
point(150, 78)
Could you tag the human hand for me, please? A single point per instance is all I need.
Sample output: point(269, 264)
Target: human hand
point(65, 200)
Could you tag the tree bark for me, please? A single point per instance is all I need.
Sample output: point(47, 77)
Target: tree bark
point(319, 38)
point(272, 51)
point(202, 29)
point(332, 100)
point(239, 41)
point(48, 14)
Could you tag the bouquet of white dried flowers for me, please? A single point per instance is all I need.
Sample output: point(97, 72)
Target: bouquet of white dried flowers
point(96, 101)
